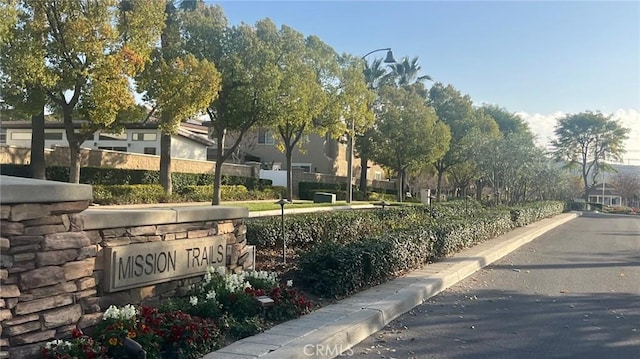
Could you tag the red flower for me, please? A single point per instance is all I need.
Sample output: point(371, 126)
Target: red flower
point(76, 333)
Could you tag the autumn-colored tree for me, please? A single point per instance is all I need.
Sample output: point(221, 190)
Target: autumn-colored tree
point(23, 76)
point(628, 185)
point(89, 51)
point(246, 58)
point(177, 85)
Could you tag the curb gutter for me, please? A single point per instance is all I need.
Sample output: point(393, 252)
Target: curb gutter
point(335, 328)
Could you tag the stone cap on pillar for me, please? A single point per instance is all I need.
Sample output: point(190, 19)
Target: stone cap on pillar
point(29, 190)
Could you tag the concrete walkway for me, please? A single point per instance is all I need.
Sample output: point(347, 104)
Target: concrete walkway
point(328, 331)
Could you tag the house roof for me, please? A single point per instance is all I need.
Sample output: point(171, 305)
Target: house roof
point(76, 124)
point(191, 131)
point(596, 190)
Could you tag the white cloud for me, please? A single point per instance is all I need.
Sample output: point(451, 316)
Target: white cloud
point(543, 126)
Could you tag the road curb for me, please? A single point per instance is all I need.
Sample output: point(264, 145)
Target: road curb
point(336, 328)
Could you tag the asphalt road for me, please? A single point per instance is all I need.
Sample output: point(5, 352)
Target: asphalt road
point(572, 293)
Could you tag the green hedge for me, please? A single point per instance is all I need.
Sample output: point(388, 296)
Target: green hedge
point(117, 176)
point(153, 193)
point(304, 231)
point(129, 194)
point(343, 267)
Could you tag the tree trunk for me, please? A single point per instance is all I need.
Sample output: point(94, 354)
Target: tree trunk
point(364, 163)
point(439, 185)
point(289, 156)
point(37, 165)
point(217, 176)
point(74, 164)
point(165, 163)
point(400, 185)
point(217, 183)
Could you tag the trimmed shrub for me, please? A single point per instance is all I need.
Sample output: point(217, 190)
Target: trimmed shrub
point(118, 176)
point(342, 267)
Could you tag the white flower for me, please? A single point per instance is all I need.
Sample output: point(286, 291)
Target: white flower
point(290, 283)
point(222, 270)
point(193, 300)
point(56, 343)
point(246, 285)
point(111, 313)
point(125, 313)
point(211, 294)
point(128, 312)
point(207, 277)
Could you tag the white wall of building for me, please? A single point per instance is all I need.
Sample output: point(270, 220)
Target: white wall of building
point(145, 141)
point(184, 148)
point(279, 178)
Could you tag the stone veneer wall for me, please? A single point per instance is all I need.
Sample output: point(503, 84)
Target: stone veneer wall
point(51, 263)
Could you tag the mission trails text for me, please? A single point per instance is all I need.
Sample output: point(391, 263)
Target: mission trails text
point(147, 263)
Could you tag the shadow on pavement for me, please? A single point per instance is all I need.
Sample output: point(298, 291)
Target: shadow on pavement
point(502, 324)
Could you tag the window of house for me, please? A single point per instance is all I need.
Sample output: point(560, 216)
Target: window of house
point(211, 153)
point(142, 136)
point(21, 136)
point(113, 148)
point(149, 150)
point(53, 135)
point(3, 136)
point(112, 137)
point(377, 176)
point(265, 137)
point(305, 166)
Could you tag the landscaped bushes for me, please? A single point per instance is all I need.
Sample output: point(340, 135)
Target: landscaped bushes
point(129, 194)
point(117, 176)
point(336, 269)
point(306, 230)
point(154, 193)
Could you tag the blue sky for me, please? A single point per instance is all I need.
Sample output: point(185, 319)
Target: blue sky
point(541, 59)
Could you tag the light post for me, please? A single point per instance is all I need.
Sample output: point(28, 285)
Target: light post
point(282, 202)
point(388, 60)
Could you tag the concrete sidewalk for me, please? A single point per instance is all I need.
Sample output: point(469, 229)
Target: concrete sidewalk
point(330, 330)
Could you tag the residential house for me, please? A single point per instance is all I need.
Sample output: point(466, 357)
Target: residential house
point(604, 194)
point(191, 141)
point(318, 154)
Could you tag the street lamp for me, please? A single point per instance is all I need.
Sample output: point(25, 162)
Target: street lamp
point(282, 202)
point(388, 60)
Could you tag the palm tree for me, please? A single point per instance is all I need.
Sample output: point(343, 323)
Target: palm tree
point(375, 76)
point(405, 72)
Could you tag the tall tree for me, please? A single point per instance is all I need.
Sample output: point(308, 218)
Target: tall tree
point(247, 59)
point(407, 132)
point(374, 75)
point(406, 72)
point(457, 112)
point(92, 50)
point(506, 162)
point(508, 122)
point(177, 84)
point(585, 139)
point(628, 185)
point(23, 75)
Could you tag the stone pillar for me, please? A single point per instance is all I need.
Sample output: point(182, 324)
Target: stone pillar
point(46, 263)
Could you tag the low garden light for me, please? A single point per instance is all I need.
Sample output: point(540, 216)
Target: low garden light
point(282, 202)
point(382, 204)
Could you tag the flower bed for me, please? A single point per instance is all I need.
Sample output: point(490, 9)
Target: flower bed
point(223, 308)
